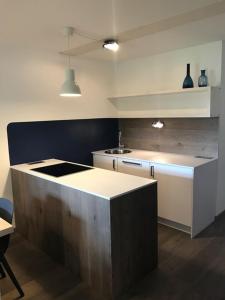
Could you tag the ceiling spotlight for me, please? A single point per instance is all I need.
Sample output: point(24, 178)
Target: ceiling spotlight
point(158, 124)
point(111, 45)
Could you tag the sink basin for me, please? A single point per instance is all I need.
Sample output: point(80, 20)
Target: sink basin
point(117, 151)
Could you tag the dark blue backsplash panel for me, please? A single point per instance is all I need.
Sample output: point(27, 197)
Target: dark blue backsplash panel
point(71, 140)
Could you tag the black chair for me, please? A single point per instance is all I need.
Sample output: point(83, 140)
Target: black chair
point(6, 213)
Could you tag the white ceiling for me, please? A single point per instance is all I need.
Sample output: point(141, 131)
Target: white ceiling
point(38, 23)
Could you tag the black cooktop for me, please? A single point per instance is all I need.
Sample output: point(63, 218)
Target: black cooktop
point(61, 169)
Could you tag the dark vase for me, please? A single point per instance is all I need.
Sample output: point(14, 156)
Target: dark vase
point(203, 79)
point(188, 82)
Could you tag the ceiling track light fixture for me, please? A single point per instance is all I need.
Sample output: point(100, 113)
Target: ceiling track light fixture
point(111, 45)
point(158, 124)
point(69, 87)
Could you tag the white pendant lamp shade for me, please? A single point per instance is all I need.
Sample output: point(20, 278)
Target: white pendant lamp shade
point(69, 87)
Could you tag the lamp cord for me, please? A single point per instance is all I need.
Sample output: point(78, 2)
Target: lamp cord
point(82, 34)
point(86, 35)
point(68, 47)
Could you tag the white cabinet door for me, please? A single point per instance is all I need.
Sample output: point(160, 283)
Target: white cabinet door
point(175, 192)
point(105, 162)
point(133, 167)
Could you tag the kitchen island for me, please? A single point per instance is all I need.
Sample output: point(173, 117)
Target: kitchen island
point(100, 224)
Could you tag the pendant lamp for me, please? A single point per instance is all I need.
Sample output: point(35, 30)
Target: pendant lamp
point(69, 87)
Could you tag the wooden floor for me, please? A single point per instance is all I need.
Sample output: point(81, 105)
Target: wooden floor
point(188, 269)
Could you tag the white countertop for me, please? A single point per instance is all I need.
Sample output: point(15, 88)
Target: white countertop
point(5, 228)
point(161, 157)
point(99, 182)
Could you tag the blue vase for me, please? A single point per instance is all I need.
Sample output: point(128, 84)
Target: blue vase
point(188, 82)
point(203, 79)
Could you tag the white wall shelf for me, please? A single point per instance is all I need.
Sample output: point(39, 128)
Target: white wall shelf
point(182, 103)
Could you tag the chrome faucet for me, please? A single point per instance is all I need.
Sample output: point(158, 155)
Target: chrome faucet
point(120, 135)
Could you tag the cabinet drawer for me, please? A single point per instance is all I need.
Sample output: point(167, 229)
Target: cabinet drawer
point(105, 162)
point(133, 167)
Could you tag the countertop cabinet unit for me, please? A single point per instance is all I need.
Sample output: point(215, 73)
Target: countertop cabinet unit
point(186, 192)
point(105, 162)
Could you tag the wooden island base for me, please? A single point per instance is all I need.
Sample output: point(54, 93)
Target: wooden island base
point(109, 244)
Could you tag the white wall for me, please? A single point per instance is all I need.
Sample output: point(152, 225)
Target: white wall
point(167, 70)
point(30, 81)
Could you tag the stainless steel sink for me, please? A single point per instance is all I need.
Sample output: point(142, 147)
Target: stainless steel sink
point(117, 151)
